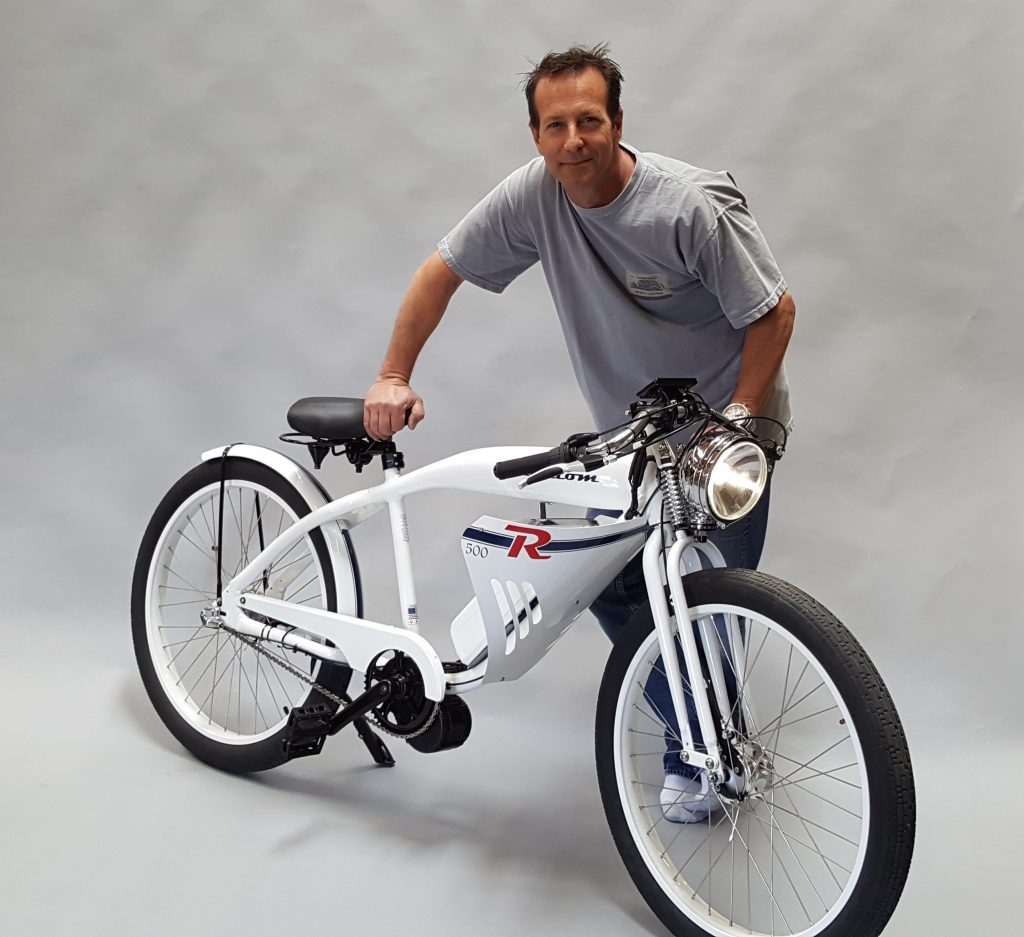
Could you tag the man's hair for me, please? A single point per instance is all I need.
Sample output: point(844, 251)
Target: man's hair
point(576, 60)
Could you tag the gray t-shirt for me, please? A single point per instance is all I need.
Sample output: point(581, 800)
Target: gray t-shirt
point(662, 282)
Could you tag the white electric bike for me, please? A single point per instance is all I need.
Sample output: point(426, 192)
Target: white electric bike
point(250, 636)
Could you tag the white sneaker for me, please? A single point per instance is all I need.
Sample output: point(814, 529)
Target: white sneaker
point(687, 800)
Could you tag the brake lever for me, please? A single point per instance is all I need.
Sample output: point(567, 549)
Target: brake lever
point(552, 471)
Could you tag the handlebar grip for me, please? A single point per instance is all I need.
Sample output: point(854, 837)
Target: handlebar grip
point(528, 464)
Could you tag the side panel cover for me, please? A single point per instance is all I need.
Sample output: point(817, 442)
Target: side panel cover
point(533, 580)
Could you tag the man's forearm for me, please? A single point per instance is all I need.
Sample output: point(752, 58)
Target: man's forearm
point(764, 347)
point(390, 402)
point(432, 287)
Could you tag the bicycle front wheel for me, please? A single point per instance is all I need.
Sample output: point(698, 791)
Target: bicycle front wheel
point(225, 697)
point(814, 833)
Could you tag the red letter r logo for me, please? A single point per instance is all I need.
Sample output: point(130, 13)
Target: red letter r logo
point(540, 538)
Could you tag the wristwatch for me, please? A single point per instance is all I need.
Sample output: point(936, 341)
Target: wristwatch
point(736, 411)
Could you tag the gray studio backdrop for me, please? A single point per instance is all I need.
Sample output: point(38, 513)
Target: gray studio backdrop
point(208, 210)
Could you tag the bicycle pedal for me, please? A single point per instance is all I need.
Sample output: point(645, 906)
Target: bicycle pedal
point(307, 730)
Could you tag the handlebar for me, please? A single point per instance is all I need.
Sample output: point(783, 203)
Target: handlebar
point(665, 406)
point(528, 464)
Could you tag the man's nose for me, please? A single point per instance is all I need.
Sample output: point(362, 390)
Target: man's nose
point(573, 141)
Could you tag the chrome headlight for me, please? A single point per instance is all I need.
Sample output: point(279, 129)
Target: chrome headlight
point(724, 474)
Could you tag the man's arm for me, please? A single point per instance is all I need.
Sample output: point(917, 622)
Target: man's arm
point(391, 397)
point(764, 346)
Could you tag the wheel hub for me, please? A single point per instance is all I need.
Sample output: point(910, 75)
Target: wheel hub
point(754, 775)
point(758, 768)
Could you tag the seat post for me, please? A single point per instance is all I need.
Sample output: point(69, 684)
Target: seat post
point(393, 462)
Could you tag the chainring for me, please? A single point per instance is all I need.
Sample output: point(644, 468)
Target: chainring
point(409, 712)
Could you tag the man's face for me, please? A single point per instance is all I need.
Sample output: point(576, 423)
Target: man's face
point(577, 138)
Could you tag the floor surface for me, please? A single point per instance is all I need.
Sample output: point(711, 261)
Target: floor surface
point(109, 827)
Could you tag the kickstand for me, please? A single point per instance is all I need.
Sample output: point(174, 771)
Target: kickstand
point(378, 750)
point(373, 742)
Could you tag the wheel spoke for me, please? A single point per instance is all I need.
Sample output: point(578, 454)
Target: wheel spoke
point(815, 824)
point(275, 569)
point(807, 790)
point(740, 704)
point(210, 527)
point(806, 846)
point(806, 764)
point(232, 666)
point(201, 550)
point(682, 674)
point(189, 602)
point(676, 736)
point(216, 679)
point(209, 595)
point(258, 706)
point(198, 628)
point(781, 715)
point(810, 881)
point(764, 881)
point(655, 721)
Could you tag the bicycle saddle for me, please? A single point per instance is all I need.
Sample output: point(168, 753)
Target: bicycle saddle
point(328, 417)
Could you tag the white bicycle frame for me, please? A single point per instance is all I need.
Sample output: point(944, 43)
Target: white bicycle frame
point(344, 638)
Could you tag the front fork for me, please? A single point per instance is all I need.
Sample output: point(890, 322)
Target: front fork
point(682, 555)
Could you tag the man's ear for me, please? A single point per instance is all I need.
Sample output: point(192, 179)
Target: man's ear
point(617, 121)
point(536, 134)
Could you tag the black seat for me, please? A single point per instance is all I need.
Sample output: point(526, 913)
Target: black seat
point(328, 417)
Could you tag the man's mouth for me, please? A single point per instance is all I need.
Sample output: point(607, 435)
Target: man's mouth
point(578, 162)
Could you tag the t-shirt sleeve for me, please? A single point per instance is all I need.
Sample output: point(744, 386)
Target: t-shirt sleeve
point(492, 245)
point(735, 264)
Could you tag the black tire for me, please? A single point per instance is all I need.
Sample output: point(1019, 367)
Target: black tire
point(657, 852)
point(176, 564)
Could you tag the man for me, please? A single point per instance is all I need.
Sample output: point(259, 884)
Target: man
point(656, 269)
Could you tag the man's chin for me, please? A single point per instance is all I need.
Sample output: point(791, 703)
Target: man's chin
point(571, 175)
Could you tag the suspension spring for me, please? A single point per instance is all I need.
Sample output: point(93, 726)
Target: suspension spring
point(668, 477)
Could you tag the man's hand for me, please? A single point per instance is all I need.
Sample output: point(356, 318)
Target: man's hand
point(386, 406)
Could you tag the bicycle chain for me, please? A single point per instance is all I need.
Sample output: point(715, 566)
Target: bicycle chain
point(407, 735)
point(290, 668)
point(323, 691)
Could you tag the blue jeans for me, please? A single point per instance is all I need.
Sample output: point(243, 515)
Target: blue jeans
point(741, 544)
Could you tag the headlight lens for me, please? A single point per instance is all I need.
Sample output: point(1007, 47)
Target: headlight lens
point(725, 475)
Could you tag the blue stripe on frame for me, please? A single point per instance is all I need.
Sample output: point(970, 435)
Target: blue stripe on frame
point(485, 536)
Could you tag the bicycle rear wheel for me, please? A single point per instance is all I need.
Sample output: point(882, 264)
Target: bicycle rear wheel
point(226, 698)
point(817, 835)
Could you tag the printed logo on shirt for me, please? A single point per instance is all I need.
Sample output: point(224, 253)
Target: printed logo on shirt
point(648, 285)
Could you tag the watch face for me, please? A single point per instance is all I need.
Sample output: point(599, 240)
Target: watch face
point(736, 411)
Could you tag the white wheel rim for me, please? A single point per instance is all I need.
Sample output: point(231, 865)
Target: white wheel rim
point(221, 687)
point(822, 890)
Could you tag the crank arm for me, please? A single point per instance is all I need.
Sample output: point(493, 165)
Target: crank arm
point(379, 693)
